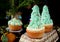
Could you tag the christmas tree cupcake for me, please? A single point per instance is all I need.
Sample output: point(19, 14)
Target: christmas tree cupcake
point(46, 20)
point(35, 29)
point(15, 24)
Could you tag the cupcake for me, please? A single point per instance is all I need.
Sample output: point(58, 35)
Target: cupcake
point(35, 29)
point(46, 20)
point(48, 26)
point(15, 24)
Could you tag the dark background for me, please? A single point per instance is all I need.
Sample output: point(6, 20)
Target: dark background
point(54, 11)
point(53, 5)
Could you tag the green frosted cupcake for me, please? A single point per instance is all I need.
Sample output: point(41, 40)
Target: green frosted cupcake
point(15, 24)
point(35, 28)
point(46, 20)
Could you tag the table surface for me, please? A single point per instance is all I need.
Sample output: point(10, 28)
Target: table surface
point(48, 37)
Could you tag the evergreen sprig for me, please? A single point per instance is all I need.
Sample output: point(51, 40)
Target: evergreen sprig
point(21, 3)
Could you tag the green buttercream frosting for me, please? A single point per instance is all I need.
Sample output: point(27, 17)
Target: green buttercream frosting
point(35, 18)
point(45, 17)
point(15, 21)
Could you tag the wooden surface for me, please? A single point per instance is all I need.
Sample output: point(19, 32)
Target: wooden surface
point(48, 37)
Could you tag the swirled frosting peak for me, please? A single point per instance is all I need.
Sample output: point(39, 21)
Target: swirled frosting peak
point(35, 18)
point(45, 17)
point(14, 21)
